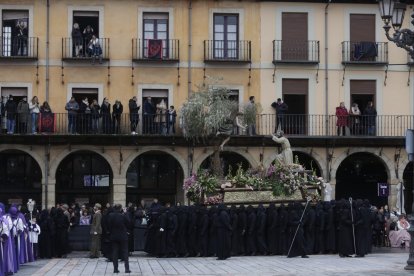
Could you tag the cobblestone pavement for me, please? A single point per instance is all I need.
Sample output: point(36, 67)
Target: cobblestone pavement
point(388, 264)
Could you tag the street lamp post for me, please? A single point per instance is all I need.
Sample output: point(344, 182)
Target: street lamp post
point(393, 11)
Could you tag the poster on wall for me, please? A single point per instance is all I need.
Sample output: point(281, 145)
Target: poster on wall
point(383, 189)
point(101, 180)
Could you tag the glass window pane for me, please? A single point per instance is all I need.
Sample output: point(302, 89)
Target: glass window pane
point(162, 27)
point(232, 20)
point(219, 36)
point(148, 35)
point(218, 19)
point(232, 28)
point(161, 35)
point(232, 37)
point(219, 28)
point(149, 27)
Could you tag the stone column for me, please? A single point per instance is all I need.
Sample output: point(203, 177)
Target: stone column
point(51, 193)
point(119, 191)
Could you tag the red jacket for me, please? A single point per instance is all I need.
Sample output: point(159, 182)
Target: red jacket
point(342, 115)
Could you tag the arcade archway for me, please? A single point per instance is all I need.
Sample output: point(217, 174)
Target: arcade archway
point(358, 177)
point(308, 162)
point(154, 174)
point(230, 161)
point(20, 178)
point(84, 177)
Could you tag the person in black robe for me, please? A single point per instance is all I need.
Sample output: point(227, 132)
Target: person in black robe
point(309, 229)
point(62, 226)
point(261, 230)
point(192, 232)
point(212, 231)
point(223, 233)
point(282, 230)
point(172, 227)
point(345, 238)
point(361, 228)
point(47, 232)
point(271, 221)
point(106, 242)
point(296, 227)
point(131, 217)
point(203, 232)
point(241, 230)
point(152, 230)
point(319, 229)
point(234, 225)
point(370, 224)
point(251, 231)
point(182, 231)
point(161, 235)
point(330, 230)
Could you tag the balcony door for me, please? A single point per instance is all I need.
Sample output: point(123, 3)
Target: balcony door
point(294, 36)
point(15, 30)
point(155, 42)
point(362, 35)
point(226, 36)
point(295, 95)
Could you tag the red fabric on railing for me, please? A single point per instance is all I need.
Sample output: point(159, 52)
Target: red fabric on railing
point(47, 122)
point(155, 48)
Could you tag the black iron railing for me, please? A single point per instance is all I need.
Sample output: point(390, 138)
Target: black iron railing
point(162, 124)
point(285, 51)
point(227, 50)
point(364, 52)
point(79, 49)
point(20, 47)
point(163, 50)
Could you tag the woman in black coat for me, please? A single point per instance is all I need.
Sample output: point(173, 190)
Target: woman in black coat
point(223, 233)
point(47, 232)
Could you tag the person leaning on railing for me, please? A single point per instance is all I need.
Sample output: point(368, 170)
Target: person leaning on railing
point(117, 110)
point(370, 115)
point(342, 119)
point(72, 107)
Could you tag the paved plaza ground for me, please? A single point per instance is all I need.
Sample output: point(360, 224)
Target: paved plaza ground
point(381, 264)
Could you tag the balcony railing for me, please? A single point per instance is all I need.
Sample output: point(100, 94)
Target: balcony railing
point(19, 48)
point(365, 52)
point(266, 124)
point(305, 52)
point(156, 50)
point(227, 51)
point(85, 50)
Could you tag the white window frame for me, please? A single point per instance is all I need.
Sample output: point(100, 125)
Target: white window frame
point(362, 10)
point(299, 9)
point(19, 7)
point(239, 12)
point(142, 87)
point(99, 9)
point(98, 86)
point(26, 85)
point(142, 10)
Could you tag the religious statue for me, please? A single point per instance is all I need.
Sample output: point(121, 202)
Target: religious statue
point(232, 123)
point(286, 156)
point(327, 192)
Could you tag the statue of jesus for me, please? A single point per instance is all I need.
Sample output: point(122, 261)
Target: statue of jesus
point(286, 156)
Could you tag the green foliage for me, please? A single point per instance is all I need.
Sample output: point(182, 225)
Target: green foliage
point(250, 112)
point(206, 111)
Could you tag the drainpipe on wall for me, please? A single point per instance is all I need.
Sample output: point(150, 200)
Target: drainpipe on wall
point(190, 42)
point(47, 48)
point(328, 174)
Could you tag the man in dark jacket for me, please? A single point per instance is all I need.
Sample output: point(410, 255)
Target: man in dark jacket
point(133, 114)
point(370, 116)
point(281, 109)
point(117, 110)
point(149, 112)
point(118, 227)
point(11, 110)
point(96, 232)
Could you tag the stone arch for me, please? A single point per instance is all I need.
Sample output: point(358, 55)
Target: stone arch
point(133, 156)
point(40, 161)
point(63, 154)
point(253, 162)
point(401, 167)
point(388, 164)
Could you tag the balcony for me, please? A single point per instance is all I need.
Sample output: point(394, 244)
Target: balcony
point(230, 51)
point(291, 52)
point(84, 51)
point(365, 53)
point(19, 48)
point(293, 125)
point(156, 50)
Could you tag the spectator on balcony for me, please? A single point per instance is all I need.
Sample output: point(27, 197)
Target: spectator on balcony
point(95, 114)
point(77, 41)
point(370, 116)
point(21, 38)
point(251, 108)
point(281, 109)
point(106, 116)
point(95, 50)
point(149, 112)
point(84, 116)
point(2, 114)
point(160, 117)
point(342, 119)
point(47, 119)
point(171, 118)
point(72, 107)
point(11, 110)
point(133, 114)
point(34, 112)
point(355, 119)
point(87, 34)
point(117, 110)
point(23, 115)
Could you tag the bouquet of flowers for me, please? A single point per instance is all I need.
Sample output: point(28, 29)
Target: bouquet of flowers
point(197, 185)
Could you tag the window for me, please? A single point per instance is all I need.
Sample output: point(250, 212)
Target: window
point(362, 35)
point(81, 93)
point(234, 95)
point(88, 24)
point(155, 29)
point(294, 36)
point(362, 92)
point(295, 95)
point(226, 35)
point(15, 30)
point(18, 93)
